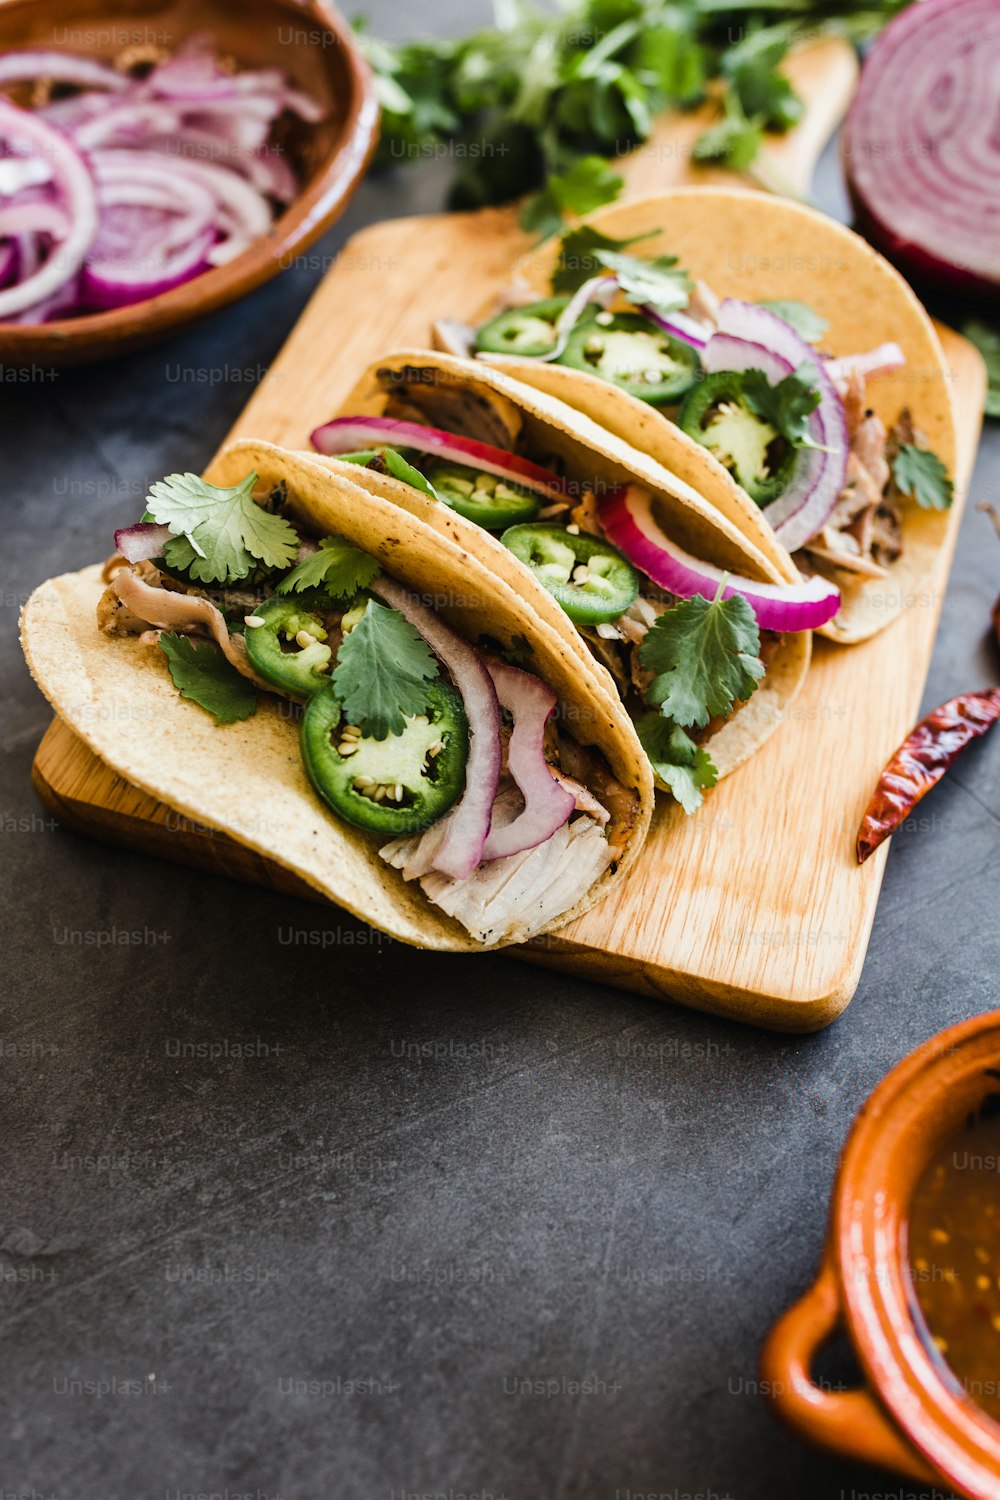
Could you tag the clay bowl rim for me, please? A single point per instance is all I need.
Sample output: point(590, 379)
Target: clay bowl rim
point(97, 335)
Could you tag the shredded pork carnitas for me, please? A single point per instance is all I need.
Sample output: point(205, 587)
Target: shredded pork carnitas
point(511, 899)
point(864, 533)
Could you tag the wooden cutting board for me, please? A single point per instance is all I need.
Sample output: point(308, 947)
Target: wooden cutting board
point(755, 908)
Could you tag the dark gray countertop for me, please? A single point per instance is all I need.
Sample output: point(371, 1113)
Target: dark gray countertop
point(347, 1203)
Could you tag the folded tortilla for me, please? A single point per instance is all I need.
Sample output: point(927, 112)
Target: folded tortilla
point(472, 390)
point(247, 780)
point(756, 247)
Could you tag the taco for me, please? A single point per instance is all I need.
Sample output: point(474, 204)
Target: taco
point(289, 659)
point(770, 358)
point(694, 628)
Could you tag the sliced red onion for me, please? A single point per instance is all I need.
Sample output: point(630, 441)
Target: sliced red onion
point(598, 289)
point(34, 217)
point(129, 123)
point(461, 850)
point(19, 173)
point(921, 145)
point(627, 518)
point(873, 362)
point(547, 805)
point(155, 204)
point(142, 542)
point(60, 67)
point(679, 326)
point(802, 510)
point(8, 263)
point(135, 278)
point(351, 434)
point(19, 129)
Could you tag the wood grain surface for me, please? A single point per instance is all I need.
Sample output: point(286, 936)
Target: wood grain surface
point(756, 907)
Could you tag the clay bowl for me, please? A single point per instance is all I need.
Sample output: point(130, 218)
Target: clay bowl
point(312, 43)
point(912, 1415)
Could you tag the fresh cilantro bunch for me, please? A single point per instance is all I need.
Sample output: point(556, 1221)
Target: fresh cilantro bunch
point(547, 96)
point(705, 657)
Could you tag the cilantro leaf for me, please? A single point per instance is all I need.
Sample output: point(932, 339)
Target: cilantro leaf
point(671, 63)
point(338, 568)
point(683, 766)
point(381, 672)
point(763, 93)
point(987, 341)
point(734, 142)
point(661, 282)
point(586, 185)
point(919, 473)
point(788, 405)
point(578, 256)
point(220, 535)
point(200, 672)
point(806, 321)
point(705, 653)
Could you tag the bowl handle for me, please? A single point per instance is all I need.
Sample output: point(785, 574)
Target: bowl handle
point(850, 1422)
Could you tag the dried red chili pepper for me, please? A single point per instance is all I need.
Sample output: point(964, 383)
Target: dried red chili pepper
point(921, 761)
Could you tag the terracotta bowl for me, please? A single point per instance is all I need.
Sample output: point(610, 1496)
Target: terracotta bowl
point(912, 1416)
point(312, 43)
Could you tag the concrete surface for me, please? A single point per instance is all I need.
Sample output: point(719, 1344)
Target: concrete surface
point(348, 1221)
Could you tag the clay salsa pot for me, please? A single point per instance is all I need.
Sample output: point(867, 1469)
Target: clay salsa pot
point(913, 1415)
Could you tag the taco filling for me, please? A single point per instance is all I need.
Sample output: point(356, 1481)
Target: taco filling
point(750, 383)
point(685, 643)
point(456, 760)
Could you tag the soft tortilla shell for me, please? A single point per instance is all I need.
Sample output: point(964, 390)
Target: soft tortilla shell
point(589, 451)
point(757, 247)
point(247, 780)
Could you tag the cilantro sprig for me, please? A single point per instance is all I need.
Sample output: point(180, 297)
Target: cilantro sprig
point(919, 473)
point(705, 657)
point(338, 568)
point(581, 256)
point(200, 672)
point(683, 766)
point(661, 283)
point(545, 98)
point(219, 535)
point(382, 672)
point(786, 406)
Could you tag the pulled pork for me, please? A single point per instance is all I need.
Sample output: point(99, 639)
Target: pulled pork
point(864, 532)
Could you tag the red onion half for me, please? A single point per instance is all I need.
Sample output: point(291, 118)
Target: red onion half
point(547, 805)
point(628, 520)
point(921, 145)
point(461, 849)
point(351, 434)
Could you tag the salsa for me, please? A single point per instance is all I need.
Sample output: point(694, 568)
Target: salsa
point(954, 1253)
